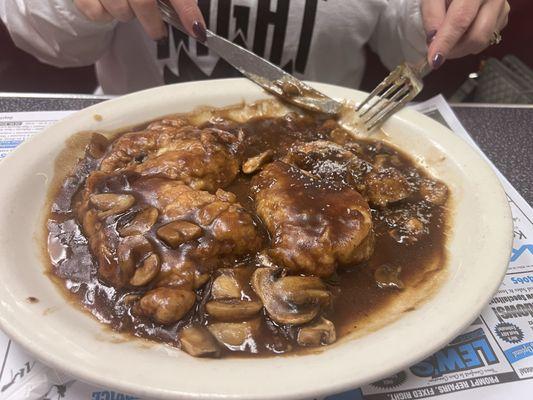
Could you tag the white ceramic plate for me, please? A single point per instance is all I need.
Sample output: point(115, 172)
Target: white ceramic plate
point(66, 338)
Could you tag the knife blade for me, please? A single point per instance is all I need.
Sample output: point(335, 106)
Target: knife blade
point(270, 77)
point(267, 75)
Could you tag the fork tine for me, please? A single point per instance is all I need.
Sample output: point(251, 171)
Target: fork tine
point(403, 98)
point(390, 79)
point(384, 97)
point(378, 89)
point(392, 110)
point(388, 103)
point(375, 102)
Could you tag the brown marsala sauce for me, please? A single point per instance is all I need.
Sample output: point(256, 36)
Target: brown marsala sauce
point(356, 295)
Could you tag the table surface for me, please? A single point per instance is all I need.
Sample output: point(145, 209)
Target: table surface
point(504, 133)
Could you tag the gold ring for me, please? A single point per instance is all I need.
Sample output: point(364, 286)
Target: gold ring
point(496, 38)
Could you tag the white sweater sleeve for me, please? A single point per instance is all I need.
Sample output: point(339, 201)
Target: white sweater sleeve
point(399, 35)
point(55, 31)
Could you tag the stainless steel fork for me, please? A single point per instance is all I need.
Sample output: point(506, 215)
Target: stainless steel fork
point(392, 94)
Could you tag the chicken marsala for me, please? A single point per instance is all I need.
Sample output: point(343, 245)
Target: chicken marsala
point(231, 237)
point(313, 227)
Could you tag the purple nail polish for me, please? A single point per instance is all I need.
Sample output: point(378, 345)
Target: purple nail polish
point(438, 60)
point(199, 31)
point(430, 36)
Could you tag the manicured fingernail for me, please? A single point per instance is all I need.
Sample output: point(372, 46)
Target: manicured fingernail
point(430, 36)
point(199, 31)
point(438, 60)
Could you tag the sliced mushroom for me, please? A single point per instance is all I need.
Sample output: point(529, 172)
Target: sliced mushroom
point(130, 251)
point(111, 203)
point(230, 284)
point(200, 279)
point(237, 335)
point(130, 298)
point(166, 305)
point(388, 276)
point(303, 290)
point(198, 342)
point(178, 232)
point(146, 272)
point(226, 287)
point(433, 191)
point(254, 163)
point(90, 223)
point(141, 224)
point(318, 333)
point(290, 89)
point(388, 185)
point(233, 299)
point(97, 146)
point(408, 230)
point(291, 300)
point(233, 310)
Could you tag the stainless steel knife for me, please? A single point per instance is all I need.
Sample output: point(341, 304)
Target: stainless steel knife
point(267, 75)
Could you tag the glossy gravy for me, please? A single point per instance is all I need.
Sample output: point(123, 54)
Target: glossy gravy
point(360, 296)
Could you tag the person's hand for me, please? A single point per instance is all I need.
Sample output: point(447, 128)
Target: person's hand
point(147, 12)
point(456, 28)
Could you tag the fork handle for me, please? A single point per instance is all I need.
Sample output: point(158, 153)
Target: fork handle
point(422, 68)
